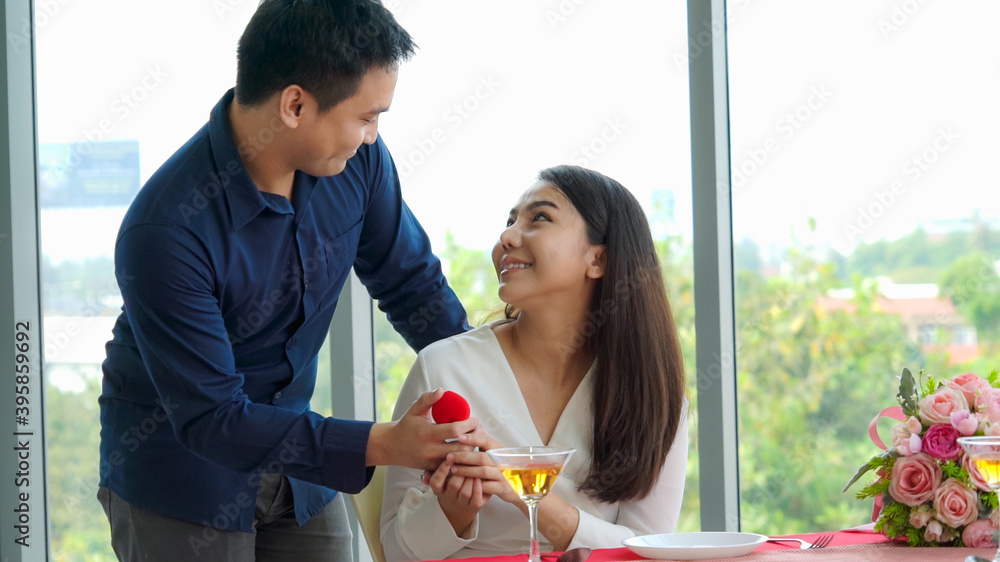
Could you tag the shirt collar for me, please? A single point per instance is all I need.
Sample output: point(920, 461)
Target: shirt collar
point(244, 200)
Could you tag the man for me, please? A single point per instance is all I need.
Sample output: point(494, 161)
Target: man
point(230, 262)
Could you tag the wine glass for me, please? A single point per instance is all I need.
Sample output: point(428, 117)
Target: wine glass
point(985, 455)
point(531, 471)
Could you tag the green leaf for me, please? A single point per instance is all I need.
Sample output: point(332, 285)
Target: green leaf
point(907, 395)
point(876, 488)
point(861, 471)
point(991, 499)
point(894, 522)
point(884, 460)
point(952, 469)
point(930, 385)
point(915, 537)
point(994, 378)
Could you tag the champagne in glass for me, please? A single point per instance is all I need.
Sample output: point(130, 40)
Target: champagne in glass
point(985, 455)
point(532, 472)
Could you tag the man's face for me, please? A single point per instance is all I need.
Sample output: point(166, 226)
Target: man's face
point(330, 138)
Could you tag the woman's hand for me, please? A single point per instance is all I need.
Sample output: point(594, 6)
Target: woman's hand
point(557, 519)
point(460, 498)
point(470, 464)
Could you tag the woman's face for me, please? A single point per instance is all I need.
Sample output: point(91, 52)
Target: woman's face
point(543, 256)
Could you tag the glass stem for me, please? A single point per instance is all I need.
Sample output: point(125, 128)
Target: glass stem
point(533, 554)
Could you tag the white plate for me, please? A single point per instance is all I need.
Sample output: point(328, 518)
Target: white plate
point(694, 546)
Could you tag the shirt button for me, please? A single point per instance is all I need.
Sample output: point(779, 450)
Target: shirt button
point(292, 342)
point(277, 395)
point(305, 282)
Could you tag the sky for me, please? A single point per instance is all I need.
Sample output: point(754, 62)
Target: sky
point(867, 117)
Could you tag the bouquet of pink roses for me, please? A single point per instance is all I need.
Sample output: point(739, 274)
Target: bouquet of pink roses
point(927, 490)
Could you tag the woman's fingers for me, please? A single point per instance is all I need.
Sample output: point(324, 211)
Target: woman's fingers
point(470, 458)
point(465, 492)
point(438, 479)
point(454, 487)
point(495, 487)
point(471, 471)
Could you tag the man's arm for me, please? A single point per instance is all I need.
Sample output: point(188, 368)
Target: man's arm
point(396, 264)
point(168, 286)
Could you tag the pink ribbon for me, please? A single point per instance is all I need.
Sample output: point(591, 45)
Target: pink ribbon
point(894, 412)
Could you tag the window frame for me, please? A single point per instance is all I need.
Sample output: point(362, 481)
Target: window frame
point(23, 461)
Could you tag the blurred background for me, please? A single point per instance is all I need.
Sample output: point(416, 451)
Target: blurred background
point(863, 236)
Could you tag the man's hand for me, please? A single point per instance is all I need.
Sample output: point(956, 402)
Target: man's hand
point(479, 438)
point(415, 441)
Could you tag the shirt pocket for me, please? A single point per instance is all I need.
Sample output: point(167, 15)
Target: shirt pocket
point(339, 252)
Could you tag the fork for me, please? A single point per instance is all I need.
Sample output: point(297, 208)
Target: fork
point(821, 541)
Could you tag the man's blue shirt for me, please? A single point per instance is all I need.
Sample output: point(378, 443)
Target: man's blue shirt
point(228, 296)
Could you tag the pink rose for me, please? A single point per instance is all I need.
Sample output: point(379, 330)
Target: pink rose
point(921, 515)
point(905, 443)
point(974, 476)
point(937, 407)
point(899, 434)
point(914, 425)
point(988, 402)
point(914, 479)
point(965, 423)
point(941, 441)
point(992, 430)
point(955, 504)
point(979, 534)
point(933, 531)
point(912, 446)
point(968, 384)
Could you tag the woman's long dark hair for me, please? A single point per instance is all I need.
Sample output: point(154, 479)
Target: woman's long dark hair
point(639, 370)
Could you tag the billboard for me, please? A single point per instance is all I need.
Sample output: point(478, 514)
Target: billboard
point(88, 174)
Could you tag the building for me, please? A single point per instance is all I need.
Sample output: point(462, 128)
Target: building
point(931, 321)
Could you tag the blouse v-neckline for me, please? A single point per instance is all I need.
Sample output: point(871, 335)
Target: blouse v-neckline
point(523, 404)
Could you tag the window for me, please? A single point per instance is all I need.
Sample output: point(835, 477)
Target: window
point(858, 148)
point(928, 333)
point(853, 163)
point(964, 335)
point(482, 109)
point(103, 129)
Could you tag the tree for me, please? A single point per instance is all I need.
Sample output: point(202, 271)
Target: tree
point(79, 528)
point(809, 380)
point(973, 284)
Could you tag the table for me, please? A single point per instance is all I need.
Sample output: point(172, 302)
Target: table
point(849, 544)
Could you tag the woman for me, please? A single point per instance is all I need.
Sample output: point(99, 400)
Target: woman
point(587, 357)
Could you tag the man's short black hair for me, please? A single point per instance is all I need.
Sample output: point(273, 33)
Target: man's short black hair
point(324, 46)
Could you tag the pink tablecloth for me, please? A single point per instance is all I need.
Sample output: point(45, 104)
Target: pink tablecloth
point(846, 545)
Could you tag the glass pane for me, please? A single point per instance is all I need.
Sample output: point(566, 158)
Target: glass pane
point(482, 109)
point(859, 143)
point(115, 99)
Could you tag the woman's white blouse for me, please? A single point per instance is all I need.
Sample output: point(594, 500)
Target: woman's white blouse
point(473, 364)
